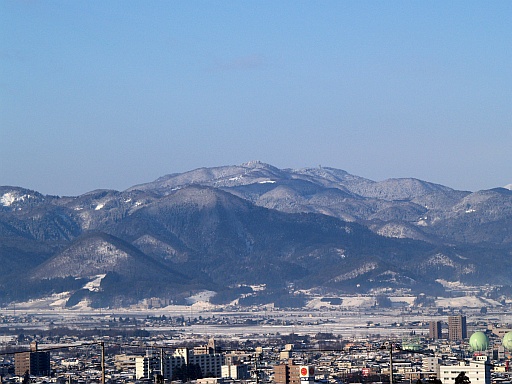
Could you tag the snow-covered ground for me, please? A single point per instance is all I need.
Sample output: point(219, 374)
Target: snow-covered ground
point(59, 300)
point(55, 301)
point(203, 296)
point(94, 285)
point(466, 301)
point(354, 302)
point(347, 302)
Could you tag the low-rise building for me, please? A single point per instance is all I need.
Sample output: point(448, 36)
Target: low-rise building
point(477, 370)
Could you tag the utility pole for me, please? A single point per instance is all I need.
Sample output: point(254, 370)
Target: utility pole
point(102, 362)
point(162, 362)
point(256, 368)
point(390, 363)
point(389, 345)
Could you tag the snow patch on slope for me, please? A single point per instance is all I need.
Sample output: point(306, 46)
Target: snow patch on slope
point(10, 198)
point(94, 285)
point(203, 296)
point(365, 268)
point(440, 259)
point(466, 301)
point(54, 301)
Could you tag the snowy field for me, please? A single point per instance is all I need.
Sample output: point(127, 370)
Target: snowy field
point(353, 316)
point(358, 324)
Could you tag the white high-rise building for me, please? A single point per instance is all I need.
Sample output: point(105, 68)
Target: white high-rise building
point(159, 363)
point(146, 367)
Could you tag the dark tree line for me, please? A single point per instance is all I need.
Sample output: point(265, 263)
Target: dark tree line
point(187, 372)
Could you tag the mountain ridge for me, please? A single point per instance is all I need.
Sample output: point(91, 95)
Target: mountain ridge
point(216, 228)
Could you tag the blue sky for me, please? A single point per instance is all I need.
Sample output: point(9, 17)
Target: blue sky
point(97, 94)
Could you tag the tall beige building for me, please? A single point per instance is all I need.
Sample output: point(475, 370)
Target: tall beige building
point(293, 374)
point(36, 363)
point(457, 327)
point(435, 330)
point(287, 373)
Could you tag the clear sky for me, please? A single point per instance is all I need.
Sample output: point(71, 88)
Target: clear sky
point(108, 94)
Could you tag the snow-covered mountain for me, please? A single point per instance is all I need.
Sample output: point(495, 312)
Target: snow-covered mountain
point(223, 227)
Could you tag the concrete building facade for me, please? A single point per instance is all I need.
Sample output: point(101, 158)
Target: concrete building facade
point(435, 330)
point(287, 374)
point(158, 363)
point(210, 363)
point(457, 329)
point(236, 372)
point(291, 373)
point(36, 363)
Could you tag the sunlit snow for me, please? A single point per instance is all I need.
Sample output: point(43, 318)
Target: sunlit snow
point(203, 296)
point(10, 198)
point(260, 287)
point(7, 199)
point(465, 301)
point(365, 268)
point(61, 299)
point(94, 285)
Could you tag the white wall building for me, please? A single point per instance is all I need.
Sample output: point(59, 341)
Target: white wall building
point(211, 363)
point(430, 365)
point(236, 371)
point(147, 366)
point(158, 363)
point(478, 371)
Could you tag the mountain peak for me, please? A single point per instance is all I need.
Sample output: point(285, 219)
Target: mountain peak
point(253, 164)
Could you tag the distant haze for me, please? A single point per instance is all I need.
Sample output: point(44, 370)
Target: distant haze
point(112, 94)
